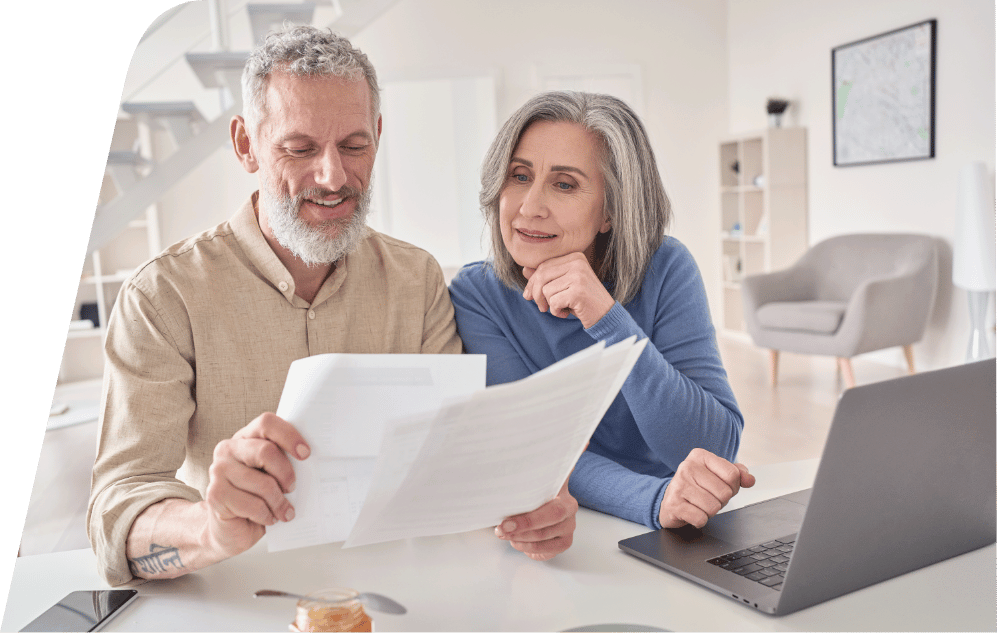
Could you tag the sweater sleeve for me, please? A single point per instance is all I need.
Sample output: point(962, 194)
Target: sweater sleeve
point(677, 393)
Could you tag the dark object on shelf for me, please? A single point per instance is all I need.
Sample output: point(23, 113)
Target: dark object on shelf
point(88, 312)
point(735, 167)
point(776, 106)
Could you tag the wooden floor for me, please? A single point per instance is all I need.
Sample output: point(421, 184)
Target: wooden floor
point(785, 423)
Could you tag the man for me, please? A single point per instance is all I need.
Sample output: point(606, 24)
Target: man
point(191, 465)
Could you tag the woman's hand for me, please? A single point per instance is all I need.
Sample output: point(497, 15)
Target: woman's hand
point(701, 487)
point(545, 532)
point(567, 285)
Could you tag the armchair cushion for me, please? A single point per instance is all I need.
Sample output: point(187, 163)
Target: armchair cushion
point(817, 317)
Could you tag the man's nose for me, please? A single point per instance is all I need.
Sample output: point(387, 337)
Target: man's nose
point(534, 201)
point(329, 171)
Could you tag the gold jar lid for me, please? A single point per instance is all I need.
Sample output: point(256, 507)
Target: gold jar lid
point(346, 615)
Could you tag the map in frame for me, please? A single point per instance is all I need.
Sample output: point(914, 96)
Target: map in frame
point(883, 101)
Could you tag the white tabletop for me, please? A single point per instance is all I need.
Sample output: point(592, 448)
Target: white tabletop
point(473, 581)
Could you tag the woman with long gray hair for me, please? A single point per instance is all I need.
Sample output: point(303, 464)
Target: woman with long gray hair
point(578, 215)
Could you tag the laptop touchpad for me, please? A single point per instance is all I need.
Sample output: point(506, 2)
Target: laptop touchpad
point(761, 521)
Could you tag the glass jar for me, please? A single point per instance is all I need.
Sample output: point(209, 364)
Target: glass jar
point(347, 615)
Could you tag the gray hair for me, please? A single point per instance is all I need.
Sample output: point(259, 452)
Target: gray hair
point(303, 51)
point(635, 200)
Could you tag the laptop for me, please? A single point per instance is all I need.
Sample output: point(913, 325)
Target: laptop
point(907, 479)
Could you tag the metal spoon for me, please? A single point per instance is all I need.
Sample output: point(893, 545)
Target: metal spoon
point(374, 601)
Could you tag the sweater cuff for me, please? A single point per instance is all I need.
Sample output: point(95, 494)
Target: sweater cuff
point(614, 326)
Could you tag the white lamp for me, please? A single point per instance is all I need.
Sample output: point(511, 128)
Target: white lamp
point(973, 257)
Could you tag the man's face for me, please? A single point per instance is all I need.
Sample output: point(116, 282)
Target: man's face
point(315, 151)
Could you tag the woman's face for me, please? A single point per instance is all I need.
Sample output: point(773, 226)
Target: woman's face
point(552, 201)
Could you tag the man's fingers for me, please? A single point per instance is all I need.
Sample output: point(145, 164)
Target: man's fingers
point(231, 503)
point(279, 431)
point(260, 454)
point(232, 483)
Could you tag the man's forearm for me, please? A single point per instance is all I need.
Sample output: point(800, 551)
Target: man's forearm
point(170, 539)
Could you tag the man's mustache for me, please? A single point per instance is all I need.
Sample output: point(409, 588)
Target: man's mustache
point(346, 191)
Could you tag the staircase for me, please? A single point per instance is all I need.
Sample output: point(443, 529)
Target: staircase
point(138, 179)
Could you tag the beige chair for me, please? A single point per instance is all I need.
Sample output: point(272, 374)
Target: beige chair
point(847, 295)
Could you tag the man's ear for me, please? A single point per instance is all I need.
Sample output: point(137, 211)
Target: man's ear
point(379, 128)
point(240, 143)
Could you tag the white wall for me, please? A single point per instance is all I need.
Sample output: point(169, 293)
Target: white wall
point(677, 45)
point(783, 48)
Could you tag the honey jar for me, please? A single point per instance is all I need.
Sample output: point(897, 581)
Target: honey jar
point(347, 614)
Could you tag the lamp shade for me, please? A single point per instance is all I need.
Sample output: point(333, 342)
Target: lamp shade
point(973, 247)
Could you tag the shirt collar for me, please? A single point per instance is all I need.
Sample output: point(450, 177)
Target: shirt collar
point(246, 228)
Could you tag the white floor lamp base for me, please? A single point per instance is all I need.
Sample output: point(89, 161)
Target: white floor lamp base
point(980, 344)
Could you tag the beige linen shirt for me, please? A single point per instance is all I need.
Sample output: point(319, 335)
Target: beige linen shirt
point(200, 341)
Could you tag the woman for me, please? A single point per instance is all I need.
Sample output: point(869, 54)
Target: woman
point(578, 214)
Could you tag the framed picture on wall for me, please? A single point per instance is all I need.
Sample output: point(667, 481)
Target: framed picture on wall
point(883, 101)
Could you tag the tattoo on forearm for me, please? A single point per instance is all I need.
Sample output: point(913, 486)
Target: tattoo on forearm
point(157, 561)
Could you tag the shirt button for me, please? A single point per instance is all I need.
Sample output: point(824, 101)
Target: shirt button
point(283, 286)
point(311, 314)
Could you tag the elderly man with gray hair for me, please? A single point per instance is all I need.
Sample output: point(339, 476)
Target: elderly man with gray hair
point(192, 466)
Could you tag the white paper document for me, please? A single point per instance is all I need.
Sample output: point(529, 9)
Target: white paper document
point(462, 460)
point(341, 403)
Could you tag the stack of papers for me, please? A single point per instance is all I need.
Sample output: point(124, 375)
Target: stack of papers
point(415, 445)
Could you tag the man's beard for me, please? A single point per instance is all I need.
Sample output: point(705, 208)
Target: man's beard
point(313, 244)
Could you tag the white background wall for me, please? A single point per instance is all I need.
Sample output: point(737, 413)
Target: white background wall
point(783, 48)
point(706, 68)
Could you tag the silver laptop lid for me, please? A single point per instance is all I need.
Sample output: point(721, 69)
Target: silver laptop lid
point(930, 439)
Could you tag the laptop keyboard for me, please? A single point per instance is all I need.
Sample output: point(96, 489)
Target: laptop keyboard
point(765, 563)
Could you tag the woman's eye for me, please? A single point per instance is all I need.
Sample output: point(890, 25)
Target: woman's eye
point(520, 177)
point(564, 186)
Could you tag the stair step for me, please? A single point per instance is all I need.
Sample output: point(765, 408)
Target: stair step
point(219, 70)
point(123, 167)
point(178, 117)
point(265, 17)
point(126, 157)
point(162, 108)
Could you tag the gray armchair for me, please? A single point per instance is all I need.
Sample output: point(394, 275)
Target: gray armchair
point(847, 295)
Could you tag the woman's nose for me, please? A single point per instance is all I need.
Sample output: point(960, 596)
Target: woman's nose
point(534, 202)
point(329, 171)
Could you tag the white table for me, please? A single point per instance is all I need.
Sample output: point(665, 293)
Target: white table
point(474, 581)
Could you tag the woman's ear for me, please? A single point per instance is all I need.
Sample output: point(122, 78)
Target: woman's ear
point(242, 145)
point(606, 226)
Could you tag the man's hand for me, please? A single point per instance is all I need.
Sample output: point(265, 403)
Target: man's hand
point(701, 487)
point(545, 532)
point(249, 476)
point(568, 285)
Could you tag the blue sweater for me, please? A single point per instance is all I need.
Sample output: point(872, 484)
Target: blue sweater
point(676, 398)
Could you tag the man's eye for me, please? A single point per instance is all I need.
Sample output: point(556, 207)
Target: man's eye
point(297, 152)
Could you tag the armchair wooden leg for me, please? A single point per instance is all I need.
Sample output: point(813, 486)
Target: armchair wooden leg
point(845, 364)
point(909, 355)
point(773, 366)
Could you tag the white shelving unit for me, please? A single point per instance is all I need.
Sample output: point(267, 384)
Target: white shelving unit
point(763, 210)
point(108, 267)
